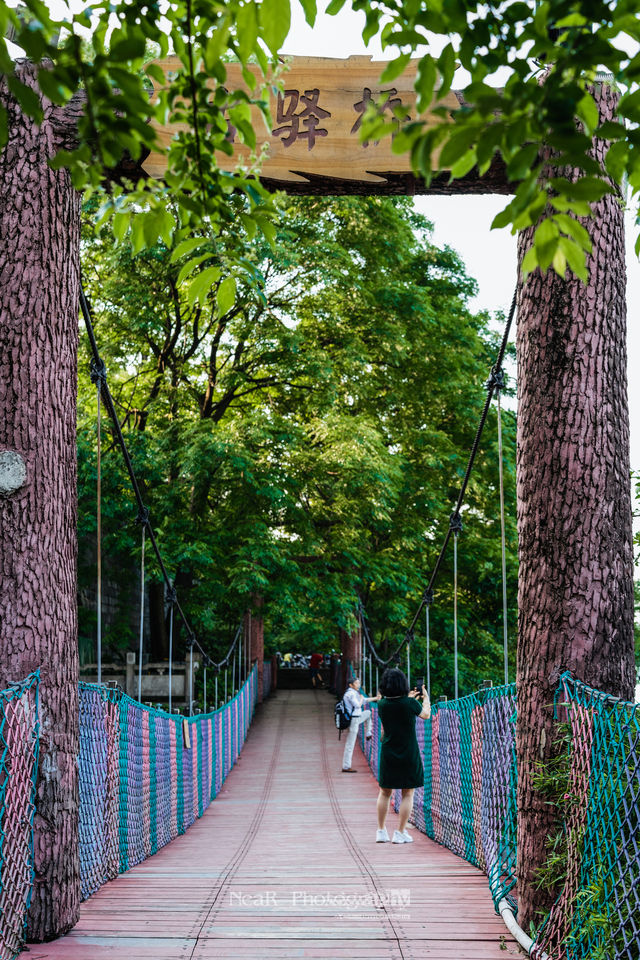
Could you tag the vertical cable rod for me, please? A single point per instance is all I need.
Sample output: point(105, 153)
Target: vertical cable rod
point(426, 629)
point(505, 627)
point(455, 614)
point(170, 657)
point(99, 537)
point(141, 643)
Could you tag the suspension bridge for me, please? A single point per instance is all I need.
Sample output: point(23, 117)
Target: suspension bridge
point(222, 834)
point(216, 836)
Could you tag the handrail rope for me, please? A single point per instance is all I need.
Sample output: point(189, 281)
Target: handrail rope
point(493, 384)
point(99, 372)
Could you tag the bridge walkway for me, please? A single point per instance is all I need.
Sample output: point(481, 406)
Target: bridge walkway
point(284, 864)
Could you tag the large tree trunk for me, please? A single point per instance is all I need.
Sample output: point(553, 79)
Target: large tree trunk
point(39, 276)
point(574, 505)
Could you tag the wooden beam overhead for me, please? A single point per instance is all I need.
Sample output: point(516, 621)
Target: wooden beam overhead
point(314, 146)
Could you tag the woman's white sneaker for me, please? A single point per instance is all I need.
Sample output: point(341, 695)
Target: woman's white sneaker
point(399, 837)
point(407, 836)
point(382, 836)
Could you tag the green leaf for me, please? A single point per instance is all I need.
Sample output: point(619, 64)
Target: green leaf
point(559, 263)
point(426, 77)
point(310, 11)
point(120, 225)
point(447, 68)
point(457, 146)
point(275, 21)
point(574, 229)
point(590, 189)
point(546, 240)
point(616, 160)
point(130, 47)
point(27, 98)
point(522, 162)
point(246, 30)
point(576, 259)
point(200, 286)
point(191, 265)
point(502, 219)
point(462, 166)
point(394, 68)
point(226, 295)
point(588, 112)
point(187, 246)
point(335, 7)
point(529, 262)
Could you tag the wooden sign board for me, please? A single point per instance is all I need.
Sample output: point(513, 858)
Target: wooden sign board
point(316, 122)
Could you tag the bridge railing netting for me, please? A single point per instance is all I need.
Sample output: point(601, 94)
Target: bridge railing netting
point(146, 775)
point(468, 800)
point(18, 765)
point(597, 915)
point(468, 804)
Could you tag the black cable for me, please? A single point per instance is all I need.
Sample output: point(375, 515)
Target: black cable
point(99, 374)
point(495, 382)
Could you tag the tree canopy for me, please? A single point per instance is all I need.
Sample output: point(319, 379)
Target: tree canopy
point(527, 79)
point(306, 444)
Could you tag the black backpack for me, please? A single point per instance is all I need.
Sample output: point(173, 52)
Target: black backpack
point(342, 716)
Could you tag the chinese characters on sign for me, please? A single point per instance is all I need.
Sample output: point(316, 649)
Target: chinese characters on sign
point(392, 103)
point(317, 121)
point(297, 124)
point(310, 115)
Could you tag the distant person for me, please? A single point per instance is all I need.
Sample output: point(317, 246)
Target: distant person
point(286, 660)
point(354, 700)
point(400, 761)
point(316, 661)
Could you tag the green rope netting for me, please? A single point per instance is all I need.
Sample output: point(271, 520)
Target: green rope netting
point(597, 916)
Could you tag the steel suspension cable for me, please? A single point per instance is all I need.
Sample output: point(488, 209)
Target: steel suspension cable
point(493, 383)
point(98, 371)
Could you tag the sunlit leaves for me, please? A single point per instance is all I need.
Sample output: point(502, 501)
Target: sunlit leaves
point(275, 21)
point(529, 89)
point(284, 445)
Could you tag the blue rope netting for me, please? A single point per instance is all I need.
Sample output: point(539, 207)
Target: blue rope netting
point(146, 775)
point(18, 765)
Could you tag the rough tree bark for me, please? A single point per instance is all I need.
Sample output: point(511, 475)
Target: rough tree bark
point(574, 504)
point(39, 277)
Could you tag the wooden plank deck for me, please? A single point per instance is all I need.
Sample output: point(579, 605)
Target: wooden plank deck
point(284, 864)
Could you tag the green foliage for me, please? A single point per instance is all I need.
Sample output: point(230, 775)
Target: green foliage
point(306, 442)
point(546, 57)
point(541, 120)
point(113, 76)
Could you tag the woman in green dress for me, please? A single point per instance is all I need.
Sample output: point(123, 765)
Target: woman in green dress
point(400, 760)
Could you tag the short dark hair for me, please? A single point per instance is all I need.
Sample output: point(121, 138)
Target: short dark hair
point(394, 683)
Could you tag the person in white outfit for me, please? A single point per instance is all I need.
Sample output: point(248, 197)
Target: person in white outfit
point(354, 701)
